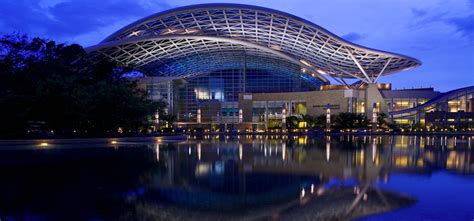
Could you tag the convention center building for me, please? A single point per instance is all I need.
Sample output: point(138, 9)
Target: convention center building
point(242, 66)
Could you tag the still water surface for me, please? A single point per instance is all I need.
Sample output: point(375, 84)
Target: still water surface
point(232, 175)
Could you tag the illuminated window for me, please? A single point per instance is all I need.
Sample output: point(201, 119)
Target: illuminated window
point(454, 106)
point(360, 108)
point(302, 124)
point(402, 121)
point(299, 108)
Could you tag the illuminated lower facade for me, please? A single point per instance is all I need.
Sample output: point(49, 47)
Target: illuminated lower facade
point(242, 67)
point(225, 102)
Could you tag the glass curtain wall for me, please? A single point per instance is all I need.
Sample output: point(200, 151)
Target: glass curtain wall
point(224, 87)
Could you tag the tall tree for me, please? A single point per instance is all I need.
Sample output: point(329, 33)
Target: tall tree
point(59, 87)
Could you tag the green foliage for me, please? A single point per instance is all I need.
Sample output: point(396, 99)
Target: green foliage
point(382, 121)
point(292, 122)
point(57, 87)
point(350, 121)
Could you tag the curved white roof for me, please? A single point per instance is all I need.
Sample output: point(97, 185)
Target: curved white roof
point(164, 43)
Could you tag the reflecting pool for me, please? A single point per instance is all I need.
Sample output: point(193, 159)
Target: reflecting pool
point(241, 177)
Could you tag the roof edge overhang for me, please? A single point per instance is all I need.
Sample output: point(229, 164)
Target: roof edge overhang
point(230, 5)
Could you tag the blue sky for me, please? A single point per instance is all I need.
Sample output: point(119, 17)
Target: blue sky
point(440, 33)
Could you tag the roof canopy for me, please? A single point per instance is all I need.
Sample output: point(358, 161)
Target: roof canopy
point(189, 40)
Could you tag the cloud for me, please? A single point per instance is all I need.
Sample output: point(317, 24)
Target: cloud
point(464, 25)
point(65, 19)
point(353, 36)
point(418, 12)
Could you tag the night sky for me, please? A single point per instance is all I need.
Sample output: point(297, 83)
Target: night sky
point(440, 33)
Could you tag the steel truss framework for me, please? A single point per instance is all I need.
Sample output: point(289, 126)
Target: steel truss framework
point(162, 42)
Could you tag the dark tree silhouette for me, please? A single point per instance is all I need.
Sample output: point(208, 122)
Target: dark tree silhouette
point(46, 86)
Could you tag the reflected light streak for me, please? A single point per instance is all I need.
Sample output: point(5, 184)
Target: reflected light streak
point(199, 151)
point(374, 150)
point(283, 152)
point(328, 148)
point(320, 191)
point(240, 151)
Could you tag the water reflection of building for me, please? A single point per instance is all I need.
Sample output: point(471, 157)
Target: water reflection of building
point(431, 153)
point(256, 170)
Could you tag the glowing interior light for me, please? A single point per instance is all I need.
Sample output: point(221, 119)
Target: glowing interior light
point(302, 193)
point(135, 33)
point(169, 31)
point(322, 72)
point(276, 47)
point(43, 144)
point(113, 142)
point(305, 62)
point(312, 188)
point(189, 31)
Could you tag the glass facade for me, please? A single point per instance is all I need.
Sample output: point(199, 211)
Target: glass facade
point(398, 104)
point(457, 101)
point(222, 88)
point(161, 91)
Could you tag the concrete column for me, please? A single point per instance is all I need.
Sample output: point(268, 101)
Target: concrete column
point(373, 95)
point(198, 116)
point(241, 116)
point(374, 117)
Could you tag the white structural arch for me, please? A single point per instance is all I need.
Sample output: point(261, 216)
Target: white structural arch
point(168, 38)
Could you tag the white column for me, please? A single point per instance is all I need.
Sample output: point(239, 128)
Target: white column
point(241, 115)
point(374, 117)
point(198, 116)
